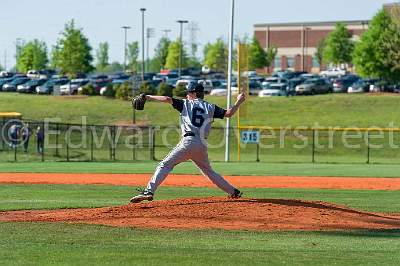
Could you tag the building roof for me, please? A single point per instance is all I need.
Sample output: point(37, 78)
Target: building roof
point(315, 23)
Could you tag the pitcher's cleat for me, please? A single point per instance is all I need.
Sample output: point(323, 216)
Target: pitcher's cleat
point(143, 195)
point(236, 194)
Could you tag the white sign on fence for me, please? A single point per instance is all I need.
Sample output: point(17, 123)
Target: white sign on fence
point(250, 136)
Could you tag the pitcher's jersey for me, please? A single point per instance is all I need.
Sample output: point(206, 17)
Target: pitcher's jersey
point(197, 116)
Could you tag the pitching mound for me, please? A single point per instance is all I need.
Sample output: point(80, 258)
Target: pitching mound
point(222, 213)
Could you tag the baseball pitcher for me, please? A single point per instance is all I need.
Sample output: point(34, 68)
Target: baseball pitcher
point(196, 117)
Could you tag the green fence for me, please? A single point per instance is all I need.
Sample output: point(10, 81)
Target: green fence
point(74, 142)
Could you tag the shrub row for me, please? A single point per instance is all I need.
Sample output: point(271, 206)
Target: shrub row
point(124, 91)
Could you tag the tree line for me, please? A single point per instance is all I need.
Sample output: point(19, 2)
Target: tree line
point(72, 54)
point(376, 54)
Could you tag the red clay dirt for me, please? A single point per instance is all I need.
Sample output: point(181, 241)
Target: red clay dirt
point(214, 212)
point(200, 181)
point(218, 213)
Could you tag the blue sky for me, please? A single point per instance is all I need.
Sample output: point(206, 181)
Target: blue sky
point(101, 20)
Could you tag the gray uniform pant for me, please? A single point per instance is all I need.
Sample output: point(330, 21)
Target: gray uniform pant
point(189, 148)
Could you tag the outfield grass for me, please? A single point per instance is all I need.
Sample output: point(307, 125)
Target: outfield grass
point(243, 168)
point(72, 244)
point(63, 244)
point(363, 110)
point(22, 197)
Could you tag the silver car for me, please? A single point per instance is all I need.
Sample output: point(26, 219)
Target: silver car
point(314, 86)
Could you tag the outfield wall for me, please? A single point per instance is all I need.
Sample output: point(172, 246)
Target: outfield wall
point(76, 142)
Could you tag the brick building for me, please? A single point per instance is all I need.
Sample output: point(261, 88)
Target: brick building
point(297, 42)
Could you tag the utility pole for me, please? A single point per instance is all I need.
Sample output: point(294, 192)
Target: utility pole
point(193, 29)
point(143, 65)
point(181, 22)
point(125, 44)
point(149, 34)
point(5, 60)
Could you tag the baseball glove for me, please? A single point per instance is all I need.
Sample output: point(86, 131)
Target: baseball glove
point(139, 101)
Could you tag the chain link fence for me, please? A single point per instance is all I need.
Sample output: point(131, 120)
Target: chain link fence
point(75, 142)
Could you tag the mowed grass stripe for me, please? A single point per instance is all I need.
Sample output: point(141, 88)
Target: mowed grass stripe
point(243, 168)
point(22, 197)
point(66, 244)
point(343, 110)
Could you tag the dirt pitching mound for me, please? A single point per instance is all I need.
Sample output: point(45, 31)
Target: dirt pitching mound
point(218, 213)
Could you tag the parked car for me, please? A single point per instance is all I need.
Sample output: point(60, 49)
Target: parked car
point(334, 72)
point(362, 85)
point(12, 86)
point(4, 81)
point(271, 80)
point(71, 88)
point(292, 84)
point(218, 92)
point(30, 86)
point(314, 86)
point(168, 76)
point(277, 89)
point(209, 85)
point(254, 88)
point(48, 87)
point(6, 74)
point(185, 82)
point(342, 84)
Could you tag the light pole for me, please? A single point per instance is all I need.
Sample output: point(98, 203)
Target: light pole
point(142, 10)
point(229, 85)
point(125, 45)
point(18, 49)
point(181, 22)
point(306, 47)
point(149, 34)
point(166, 31)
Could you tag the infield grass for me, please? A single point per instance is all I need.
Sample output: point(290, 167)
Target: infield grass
point(22, 197)
point(66, 244)
point(243, 168)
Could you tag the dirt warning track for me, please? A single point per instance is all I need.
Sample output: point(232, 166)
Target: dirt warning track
point(200, 181)
point(218, 213)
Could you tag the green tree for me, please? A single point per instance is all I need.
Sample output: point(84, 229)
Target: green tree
point(375, 53)
point(339, 46)
point(113, 67)
point(33, 56)
point(172, 61)
point(271, 54)
point(320, 51)
point(72, 53)
point(102, 56)
point(132, 55)
point(392, 45)
point(216, 57)
point(165, 90)
point(161, 54)
point(180, 91)
point(257, 55)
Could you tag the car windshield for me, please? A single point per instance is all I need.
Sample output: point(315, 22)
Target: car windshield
point(19, 81)
point(311, 81)
point(32, 82)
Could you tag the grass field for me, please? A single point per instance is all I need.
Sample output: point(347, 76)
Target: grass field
point(326, 110)
point(63, 244)
point(77, 244)
point(66, 244)
point(244, 168)
point(333, 110)
point(21, 197)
